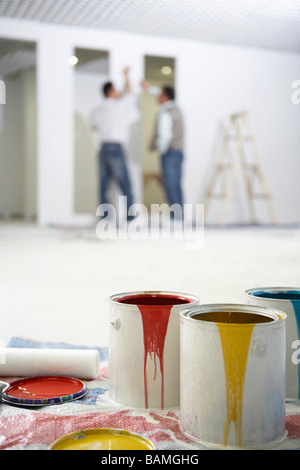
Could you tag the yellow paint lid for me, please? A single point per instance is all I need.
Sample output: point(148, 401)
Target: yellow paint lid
point(102, 439)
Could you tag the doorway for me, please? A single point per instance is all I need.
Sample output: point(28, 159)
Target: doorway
point(18, 130)
point(91, 70)
point(159, 71)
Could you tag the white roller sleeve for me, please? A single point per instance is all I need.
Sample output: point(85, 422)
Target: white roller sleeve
point(25, 362)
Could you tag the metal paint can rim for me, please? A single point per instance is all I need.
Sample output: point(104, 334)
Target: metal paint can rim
point(272, 290)
point(114, 298)
point(189, 312)
point(83, 432)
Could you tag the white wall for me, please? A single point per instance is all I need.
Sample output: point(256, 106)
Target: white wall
point(212, 82)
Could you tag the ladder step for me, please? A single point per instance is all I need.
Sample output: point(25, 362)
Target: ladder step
point(216, 196)
point(261, 196)
point(235, 137)
point(224, 166)
point(251, 166)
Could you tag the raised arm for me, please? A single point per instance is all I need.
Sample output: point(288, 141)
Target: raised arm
point(127, 87)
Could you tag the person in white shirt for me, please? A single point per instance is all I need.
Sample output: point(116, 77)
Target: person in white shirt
point(168, 140)
point(112, 119)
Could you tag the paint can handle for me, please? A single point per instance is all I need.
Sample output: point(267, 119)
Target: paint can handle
point(259, 347)
point(116, 323)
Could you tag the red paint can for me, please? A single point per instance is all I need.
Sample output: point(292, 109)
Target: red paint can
point(144, 348)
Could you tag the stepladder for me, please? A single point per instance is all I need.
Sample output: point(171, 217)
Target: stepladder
point(238, 151)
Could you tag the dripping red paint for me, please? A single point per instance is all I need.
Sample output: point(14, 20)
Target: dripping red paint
point(155, 312)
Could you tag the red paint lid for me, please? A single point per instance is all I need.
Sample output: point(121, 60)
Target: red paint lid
point(44, 390)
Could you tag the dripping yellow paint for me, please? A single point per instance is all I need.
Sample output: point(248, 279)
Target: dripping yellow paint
point(235, 340)
point(235, 329)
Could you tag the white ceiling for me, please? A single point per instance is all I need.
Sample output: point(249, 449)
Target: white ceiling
point(272, 24)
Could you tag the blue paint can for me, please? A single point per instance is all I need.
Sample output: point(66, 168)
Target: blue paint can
point(286, 299)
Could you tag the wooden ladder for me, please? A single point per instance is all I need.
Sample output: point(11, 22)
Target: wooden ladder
point(227, 165)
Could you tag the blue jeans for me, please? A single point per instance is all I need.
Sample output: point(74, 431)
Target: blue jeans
point(171, 174)
point(113, 167)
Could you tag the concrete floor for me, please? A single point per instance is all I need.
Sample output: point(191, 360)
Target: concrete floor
point(55, 283)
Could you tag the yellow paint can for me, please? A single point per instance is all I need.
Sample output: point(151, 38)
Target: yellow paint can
point(102, 439)
point(232, 367)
